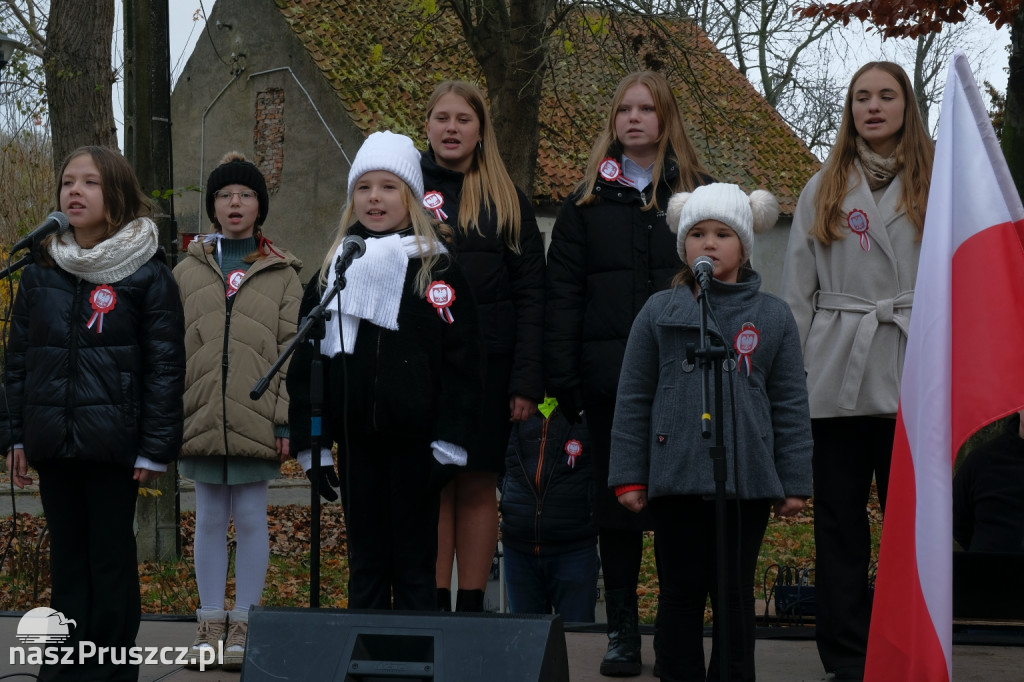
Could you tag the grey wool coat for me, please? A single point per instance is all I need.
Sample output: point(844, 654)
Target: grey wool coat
point(656, 433)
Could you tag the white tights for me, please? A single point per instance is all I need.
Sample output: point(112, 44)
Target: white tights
point(215, 505)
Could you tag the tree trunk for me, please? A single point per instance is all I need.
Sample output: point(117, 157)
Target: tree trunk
point(77, 63)
point(1013, 123)
point(515, 106)
point(147, 145)
point(923, 48)
point(510, 42)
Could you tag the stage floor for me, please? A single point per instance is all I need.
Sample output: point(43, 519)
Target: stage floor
point(786, 659)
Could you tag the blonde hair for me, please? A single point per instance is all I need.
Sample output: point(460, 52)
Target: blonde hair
point(672, 140)
point(487, 181)
point(422, 226)
point(914, 153)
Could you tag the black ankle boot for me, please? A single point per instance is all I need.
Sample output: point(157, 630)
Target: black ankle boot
point(623, 656)
point(469, 600)
point(444, 599)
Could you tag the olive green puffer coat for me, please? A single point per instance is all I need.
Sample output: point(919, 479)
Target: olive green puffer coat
point(227, 355)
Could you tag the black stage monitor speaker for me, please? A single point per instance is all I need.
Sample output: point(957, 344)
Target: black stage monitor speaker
point(987, 586)
point(338, 645)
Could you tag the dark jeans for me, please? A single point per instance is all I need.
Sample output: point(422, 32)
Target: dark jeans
point(564, 582)
point(90, 512)
point(391, 510)
point(687, 573)
point(848, 453)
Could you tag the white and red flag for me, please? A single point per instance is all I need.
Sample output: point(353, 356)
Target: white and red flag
point(964, 368)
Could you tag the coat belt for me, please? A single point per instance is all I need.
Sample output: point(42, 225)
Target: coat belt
point(888, 311)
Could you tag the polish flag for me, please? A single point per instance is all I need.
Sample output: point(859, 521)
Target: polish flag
point(964, 368)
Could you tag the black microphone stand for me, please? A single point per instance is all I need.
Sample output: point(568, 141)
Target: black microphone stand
point(711, 356)
point(18, 264)
point(314, 329)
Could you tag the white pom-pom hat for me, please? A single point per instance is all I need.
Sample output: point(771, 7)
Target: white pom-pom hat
point(727, 204)
point(391, 152)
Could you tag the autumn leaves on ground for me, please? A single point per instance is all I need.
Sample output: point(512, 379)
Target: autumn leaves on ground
point(169, 588)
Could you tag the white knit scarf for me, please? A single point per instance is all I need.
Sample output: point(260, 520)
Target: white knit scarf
point(112, 259)
point(373, 287)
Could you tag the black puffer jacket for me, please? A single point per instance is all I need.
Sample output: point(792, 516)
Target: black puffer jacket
point(604, 262)
point(547, 498)
point(420, 381)
point(104, 393)
point(508, 287)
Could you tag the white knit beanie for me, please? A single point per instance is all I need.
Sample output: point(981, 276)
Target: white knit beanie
point(727, 204)
point(388, 151)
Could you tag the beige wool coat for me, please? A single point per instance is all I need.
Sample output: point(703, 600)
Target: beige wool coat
point(852, 300)
point(220, 417)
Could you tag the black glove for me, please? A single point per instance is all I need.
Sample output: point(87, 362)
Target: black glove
point(571, 406)
point(328, 482)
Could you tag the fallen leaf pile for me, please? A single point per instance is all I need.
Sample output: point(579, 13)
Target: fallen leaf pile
point(169, 587)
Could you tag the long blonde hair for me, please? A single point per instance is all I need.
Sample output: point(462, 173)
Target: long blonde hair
point(913, 154)
point(487, 181)
point(422, 226)
point(672, 140)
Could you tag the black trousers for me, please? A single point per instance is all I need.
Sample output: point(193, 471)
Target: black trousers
point(391, 500)
point(688, 575)
point(620, 531)
point(848, 453)
point(90, 513)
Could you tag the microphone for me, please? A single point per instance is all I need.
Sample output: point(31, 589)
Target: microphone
point(352, 247)
point(56, 222)
point(703, 267)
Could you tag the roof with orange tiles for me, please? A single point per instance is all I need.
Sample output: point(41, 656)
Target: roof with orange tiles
point(384, 58)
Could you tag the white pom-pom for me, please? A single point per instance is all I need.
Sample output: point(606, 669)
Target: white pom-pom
point(675, 208)
point(765, 208)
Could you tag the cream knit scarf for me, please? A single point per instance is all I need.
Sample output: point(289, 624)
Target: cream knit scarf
point(112, 259)
point(373, 287)
point(877, 170)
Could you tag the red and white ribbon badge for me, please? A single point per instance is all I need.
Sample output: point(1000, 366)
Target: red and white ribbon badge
point(234, 280)
point(433, 202)
point(745, 343)
point(103, 299)
point(858, 222)
point(574, 449)
point(441, 295)
point(611, 171)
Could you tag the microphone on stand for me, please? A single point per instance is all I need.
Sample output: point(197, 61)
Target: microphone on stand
point(703, 268)
point(56, 222)
point(352, 247)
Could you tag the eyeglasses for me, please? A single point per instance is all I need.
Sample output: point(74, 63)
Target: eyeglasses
point(243, 196)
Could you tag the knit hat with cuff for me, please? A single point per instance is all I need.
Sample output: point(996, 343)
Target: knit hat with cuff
point(387, 151)
point(236, 170)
